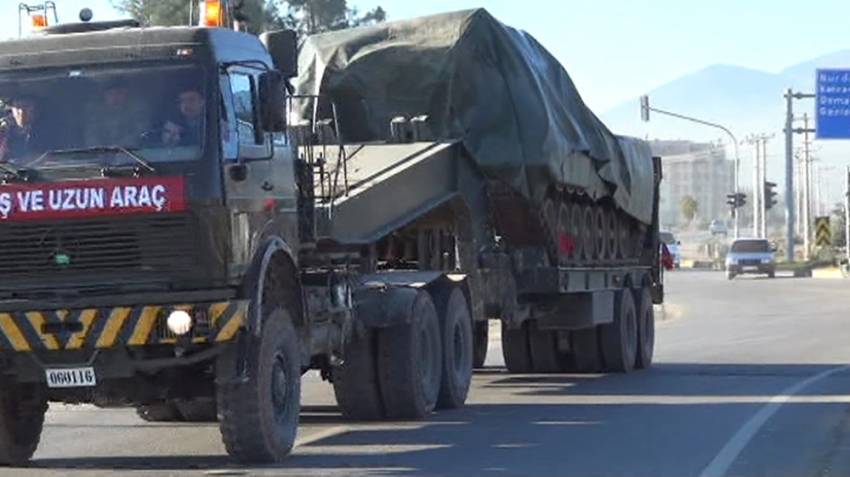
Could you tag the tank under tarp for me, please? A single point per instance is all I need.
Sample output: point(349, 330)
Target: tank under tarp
point(513, 105)
point(387, 186)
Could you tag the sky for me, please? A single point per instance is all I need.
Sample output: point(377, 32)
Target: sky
point(616, 50)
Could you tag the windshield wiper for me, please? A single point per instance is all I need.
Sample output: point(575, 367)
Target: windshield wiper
point(20, 174)
point(128, 152)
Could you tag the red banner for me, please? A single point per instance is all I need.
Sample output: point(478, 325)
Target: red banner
point(89, 198)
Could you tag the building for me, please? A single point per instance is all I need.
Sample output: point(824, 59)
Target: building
point(699, 170)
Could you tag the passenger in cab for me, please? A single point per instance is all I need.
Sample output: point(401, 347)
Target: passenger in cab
point(192, 106)
point(118, 118)
point(20, 134)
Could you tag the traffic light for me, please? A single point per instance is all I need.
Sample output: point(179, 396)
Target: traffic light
point(736, 200)
point(644, 108)
point(769, 195)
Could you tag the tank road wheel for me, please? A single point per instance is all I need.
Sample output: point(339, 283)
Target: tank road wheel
point(355, 382)
point(566, 236)
point(456, 326)
point(410, 362)
point(646, 328)
point(577, 232)
point(543, 347)
point(588, 233)
point(480, 343)
point(587, 357)
point(164, 411)
point(515, 349)
point(548, 218)
point(619, 339)
point(600, 232)
point(625, 238)
point(612, 233)
point(22, 408)
point(259, 414)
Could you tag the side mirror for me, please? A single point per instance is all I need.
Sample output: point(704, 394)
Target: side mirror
point(282, 46)
point(272, 87)
point(678, 242)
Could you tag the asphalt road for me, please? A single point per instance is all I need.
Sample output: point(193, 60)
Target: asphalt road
point(750, 379)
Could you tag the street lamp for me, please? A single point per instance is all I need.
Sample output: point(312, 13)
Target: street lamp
point(645, 108)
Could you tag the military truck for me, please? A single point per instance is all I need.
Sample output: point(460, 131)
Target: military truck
point(187, 224)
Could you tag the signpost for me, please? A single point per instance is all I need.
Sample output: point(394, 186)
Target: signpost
point(832, 109)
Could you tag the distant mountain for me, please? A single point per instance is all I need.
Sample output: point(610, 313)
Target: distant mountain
point(742, 99)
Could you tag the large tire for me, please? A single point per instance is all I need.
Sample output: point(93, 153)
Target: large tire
point(164, 411)
point(587, 357)
point(543, 346)
point(355, 382)
point(456, 327)
point(515, 349)
point(22, 408)
point(619, 339)
point(646, 328)
point(198, 410)
point(480, 343)
point(259, 414)
point(410, 362)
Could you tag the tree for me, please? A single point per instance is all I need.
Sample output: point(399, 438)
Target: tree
point(304, 16)
point(689, 207)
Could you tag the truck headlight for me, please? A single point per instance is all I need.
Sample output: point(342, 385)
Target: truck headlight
point(179, 322)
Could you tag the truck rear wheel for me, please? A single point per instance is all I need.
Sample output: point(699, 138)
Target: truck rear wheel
point(410, 362)
point(619, 339)
point(586, 354)
point(515, 349)
point(480, 343)
point(646, 328)
point(22, 408)
point(543, 346)
point(259, 414)
point(456, 327)
point(355, 382)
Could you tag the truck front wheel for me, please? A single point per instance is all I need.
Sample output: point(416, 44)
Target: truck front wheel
point(480, 343)
point(259, 413)
point(456, 325)
point(22, 408)
point(620, 339)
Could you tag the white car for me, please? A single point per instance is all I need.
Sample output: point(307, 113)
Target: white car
point(673, 246)
point(717, 227)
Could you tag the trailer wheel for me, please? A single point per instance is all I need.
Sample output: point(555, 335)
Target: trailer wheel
point(457, 348)
point(259, 415)
point(587, 357)
point(22, 408)
point(164, 411)
point(543, 346)
point(619, 339)
point(646, 328)
point(480, 343)
point(355, 382)
point(410, 362)
point(197, 410)
point(515, 349)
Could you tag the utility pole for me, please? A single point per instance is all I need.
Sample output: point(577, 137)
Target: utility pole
point(806, 207)
point(790, 96)
point(847, 214)
point(764, 199)
point(756, 198)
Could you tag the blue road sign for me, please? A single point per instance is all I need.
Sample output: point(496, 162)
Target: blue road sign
point(833, 104)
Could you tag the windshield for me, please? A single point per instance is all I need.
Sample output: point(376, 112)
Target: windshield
point(73, 115)
point(751, 246)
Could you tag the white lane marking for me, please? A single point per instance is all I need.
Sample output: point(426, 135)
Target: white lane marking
point(320, 435)
point(730, 452)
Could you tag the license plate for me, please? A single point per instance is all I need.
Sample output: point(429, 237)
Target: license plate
point(71, 377)
point(751, 269)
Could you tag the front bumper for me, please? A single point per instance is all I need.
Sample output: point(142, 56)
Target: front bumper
point(760, 268)
point(91, 329)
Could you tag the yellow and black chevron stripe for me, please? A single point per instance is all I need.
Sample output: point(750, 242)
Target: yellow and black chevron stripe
point(115, 326)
